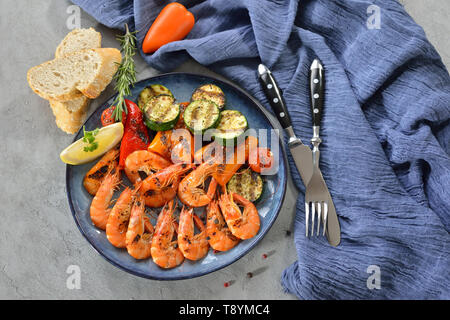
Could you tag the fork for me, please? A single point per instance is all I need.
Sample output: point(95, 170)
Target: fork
point(316, 196)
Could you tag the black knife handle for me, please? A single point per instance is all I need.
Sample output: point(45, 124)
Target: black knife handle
point(316, 83)
point(276, 101)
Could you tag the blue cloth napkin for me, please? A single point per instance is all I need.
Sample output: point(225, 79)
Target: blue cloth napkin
point(386, 131)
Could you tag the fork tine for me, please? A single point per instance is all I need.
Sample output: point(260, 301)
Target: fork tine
point(319, 209)
point(313, 214)
point(325, 216)
point(306, 217)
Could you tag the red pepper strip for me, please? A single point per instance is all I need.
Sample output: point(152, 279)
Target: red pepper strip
point(135, 136)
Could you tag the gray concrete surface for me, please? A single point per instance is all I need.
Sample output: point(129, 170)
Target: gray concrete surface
point(38, 237)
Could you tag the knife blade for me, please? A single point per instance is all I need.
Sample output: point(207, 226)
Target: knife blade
point(301, 153)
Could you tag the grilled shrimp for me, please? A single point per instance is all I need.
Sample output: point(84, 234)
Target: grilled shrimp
point(190, 191)
point(193, 246)
point(117, 225)
point(220, 236)
point(165, 177)
point(243, 225)
point(143, 161)
point(99, 210)
point(140, 231)
point(94, 177)
point(165, 251)
point(157, 198)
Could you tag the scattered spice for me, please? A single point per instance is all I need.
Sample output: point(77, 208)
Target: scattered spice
point(227, 284)
point(249, 275)
point(264, 256)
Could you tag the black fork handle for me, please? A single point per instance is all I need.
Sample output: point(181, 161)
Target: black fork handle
point(317, 81)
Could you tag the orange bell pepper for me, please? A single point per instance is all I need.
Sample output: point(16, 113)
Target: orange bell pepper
point(182, 146)
point(164, 143)
point(227, 170)
point(206, 152)
point(264, 159)
point(161, 143)
point(173, 23)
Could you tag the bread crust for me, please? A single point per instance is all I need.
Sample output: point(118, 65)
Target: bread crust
point(111, 58)
point(61, 47)
point(70, 121)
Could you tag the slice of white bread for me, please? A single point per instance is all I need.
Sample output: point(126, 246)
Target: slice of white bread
point(70, 115)
point(79, 39)
point(87, 71)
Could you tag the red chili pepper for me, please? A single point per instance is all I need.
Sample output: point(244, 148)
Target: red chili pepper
point(107, 117)
point(173, 23)
point(135, 136)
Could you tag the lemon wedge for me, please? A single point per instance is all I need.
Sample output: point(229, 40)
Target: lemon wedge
point(107, 138)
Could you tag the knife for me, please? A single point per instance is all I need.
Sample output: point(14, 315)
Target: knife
point(302, 154)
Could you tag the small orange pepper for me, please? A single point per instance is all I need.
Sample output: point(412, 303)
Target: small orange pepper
point(173, 23)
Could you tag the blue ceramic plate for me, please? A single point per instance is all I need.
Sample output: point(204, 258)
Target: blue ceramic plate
point(182, 85)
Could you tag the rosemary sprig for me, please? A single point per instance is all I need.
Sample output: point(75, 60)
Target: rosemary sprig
point(126, 73)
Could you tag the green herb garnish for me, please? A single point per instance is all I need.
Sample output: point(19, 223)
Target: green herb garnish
point(126, 73)
point(89, 138)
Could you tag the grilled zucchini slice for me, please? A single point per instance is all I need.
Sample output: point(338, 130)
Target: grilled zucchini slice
point(232, 124)
point(210, 92)
point(201, 115)
point(151, 91)
point(161, 112)
point(247, 183)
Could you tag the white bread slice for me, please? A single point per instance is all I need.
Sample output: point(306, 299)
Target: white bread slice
point(70, 115)
point(86, 71)
point(79, 39)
